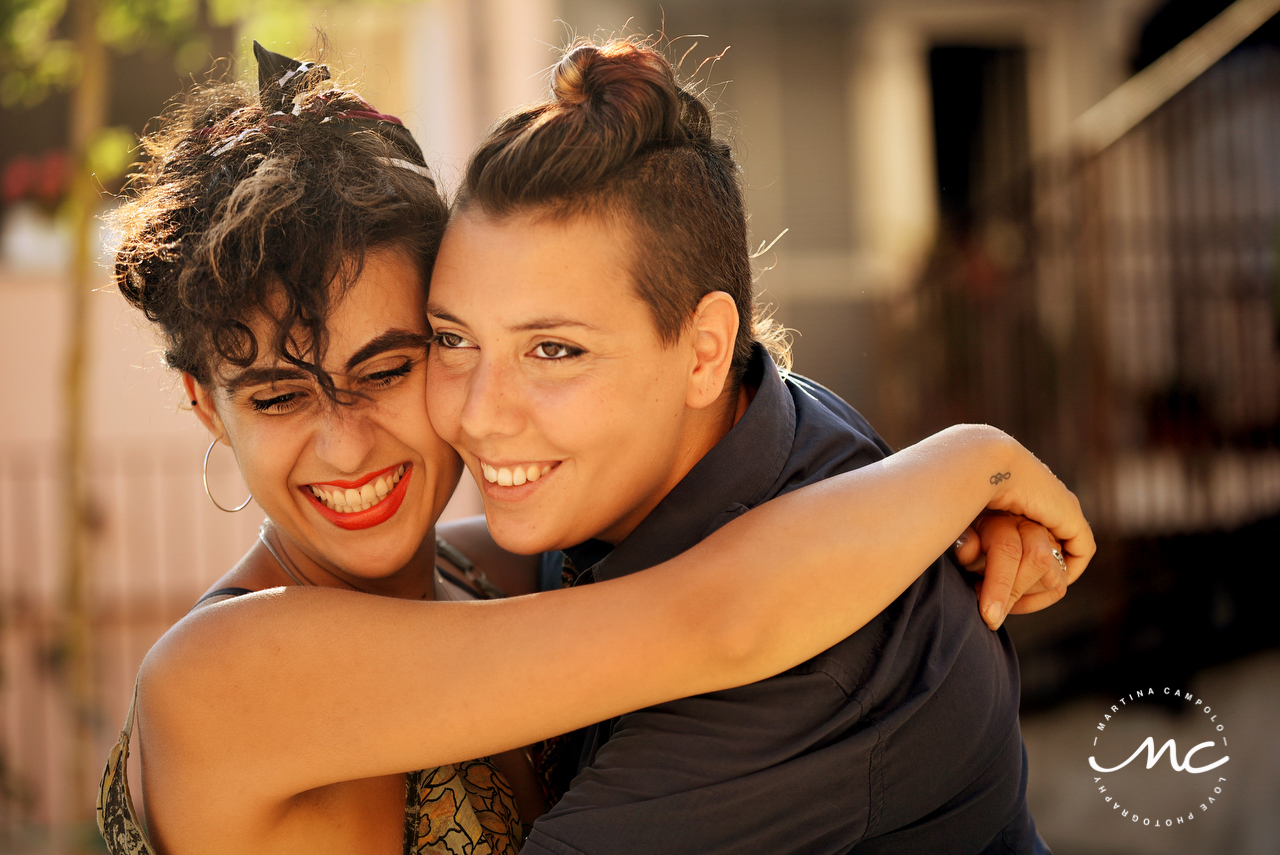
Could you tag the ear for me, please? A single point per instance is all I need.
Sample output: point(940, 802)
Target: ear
point(714, 328)
point(202, 403)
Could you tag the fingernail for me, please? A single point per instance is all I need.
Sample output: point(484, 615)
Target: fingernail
point(961, 541)
point(994, 613)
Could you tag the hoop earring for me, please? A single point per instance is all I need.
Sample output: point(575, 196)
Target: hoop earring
point(205, 473)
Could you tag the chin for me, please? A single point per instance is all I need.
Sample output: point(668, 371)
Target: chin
point(381, 561)
point(522, 538)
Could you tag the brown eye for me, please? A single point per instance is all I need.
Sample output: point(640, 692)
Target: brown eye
point(556, 350)
point(450, 340)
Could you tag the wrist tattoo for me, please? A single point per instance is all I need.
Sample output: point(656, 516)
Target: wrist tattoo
point(1000, 476)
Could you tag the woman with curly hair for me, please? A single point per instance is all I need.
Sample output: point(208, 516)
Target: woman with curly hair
point(282, 243)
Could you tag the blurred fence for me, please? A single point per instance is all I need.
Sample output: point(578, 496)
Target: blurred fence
point(1118, 313)
point(158, 544)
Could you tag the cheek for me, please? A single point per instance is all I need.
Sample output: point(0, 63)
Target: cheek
point(607, 426)
point(445, 394)
point(265, 458)
point(407, 417)
point(576, 419)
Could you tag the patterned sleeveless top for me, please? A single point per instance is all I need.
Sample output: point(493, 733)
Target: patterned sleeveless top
point(461, 809)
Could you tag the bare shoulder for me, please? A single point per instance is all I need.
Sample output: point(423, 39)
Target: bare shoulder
point(184, 669)
point(514, 574)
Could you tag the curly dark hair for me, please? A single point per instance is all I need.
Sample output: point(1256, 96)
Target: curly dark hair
point(620, 135)
point(239, 209)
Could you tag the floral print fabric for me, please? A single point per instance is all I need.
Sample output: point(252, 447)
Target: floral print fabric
point(463, 809)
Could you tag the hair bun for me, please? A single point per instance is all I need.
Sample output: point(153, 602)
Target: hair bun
point(695, 118)
point(571, 77)
point(624, 92)
point(608, 104)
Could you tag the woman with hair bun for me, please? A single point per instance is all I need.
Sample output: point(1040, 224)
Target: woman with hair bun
point(593, 316)
point(281, 242)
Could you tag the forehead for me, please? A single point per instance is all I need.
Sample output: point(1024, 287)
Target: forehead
point(386, 294)
point(524, 263)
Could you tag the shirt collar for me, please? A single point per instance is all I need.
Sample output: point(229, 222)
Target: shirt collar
point(736, 474)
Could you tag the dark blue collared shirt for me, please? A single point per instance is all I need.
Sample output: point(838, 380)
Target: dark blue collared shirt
point(902, 738)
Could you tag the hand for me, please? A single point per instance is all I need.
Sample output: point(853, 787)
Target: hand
point(1016, 555)
point(1041, 515)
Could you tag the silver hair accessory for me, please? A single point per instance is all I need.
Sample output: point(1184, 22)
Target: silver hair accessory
point(205, 473)
point(282, 87)
point(412, 167)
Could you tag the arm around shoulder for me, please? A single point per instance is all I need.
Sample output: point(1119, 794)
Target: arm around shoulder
point(283, 691)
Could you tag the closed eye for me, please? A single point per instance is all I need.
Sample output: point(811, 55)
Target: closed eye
point(278, 404)
point(390, 375)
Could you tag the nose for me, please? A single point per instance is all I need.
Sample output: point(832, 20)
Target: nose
point(492, 405)
point(345, 437)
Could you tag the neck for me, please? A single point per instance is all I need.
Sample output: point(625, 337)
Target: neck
point(413, 581)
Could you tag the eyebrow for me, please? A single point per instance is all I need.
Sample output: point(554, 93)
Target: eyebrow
point(389, 340)
point(261, 376)
point(544, 323)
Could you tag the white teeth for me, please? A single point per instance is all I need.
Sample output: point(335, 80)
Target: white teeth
point(350, 501)
point(513, 476)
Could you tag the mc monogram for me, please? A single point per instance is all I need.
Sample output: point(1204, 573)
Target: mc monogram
point(1149, 745)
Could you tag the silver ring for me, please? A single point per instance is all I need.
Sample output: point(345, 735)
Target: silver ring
point(1057, 553)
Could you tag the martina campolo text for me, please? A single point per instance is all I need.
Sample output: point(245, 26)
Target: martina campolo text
point(1158, 795)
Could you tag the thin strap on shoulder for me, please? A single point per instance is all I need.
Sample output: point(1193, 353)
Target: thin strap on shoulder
point(117, 820)
point(223, 592)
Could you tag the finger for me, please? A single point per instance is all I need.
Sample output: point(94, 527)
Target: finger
point(1035, 601)
point(1078, 551)
point(1003, 547)
point(1042, 562)
point(968, 551)
point(1077, 543)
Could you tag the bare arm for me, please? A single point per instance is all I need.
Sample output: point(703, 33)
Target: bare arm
point(248, 703)
point(1014, 554)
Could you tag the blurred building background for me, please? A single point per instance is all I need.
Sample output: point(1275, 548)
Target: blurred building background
point(1058, 216)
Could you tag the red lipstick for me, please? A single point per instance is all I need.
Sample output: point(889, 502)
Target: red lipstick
point(376, 515)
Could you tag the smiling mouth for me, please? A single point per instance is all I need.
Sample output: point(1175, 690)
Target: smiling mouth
point(514, 476)
point(350, 500)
